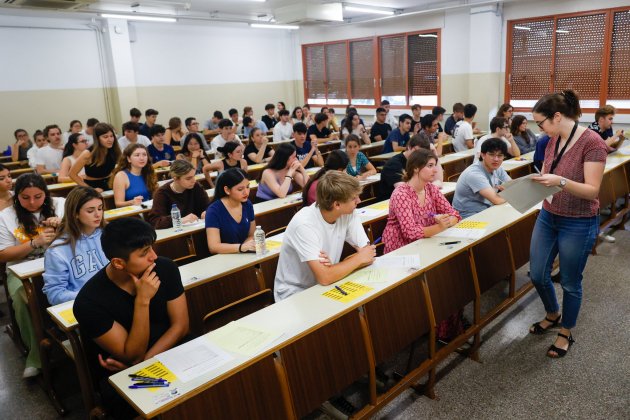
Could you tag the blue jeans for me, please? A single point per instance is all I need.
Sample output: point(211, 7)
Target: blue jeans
point(572, 238)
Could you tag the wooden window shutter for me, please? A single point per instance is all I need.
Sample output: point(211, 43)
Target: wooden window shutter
point(337, 73)
point(619, 73)
point(315, 75)
point(393, 70)
point(423, 68)
point(362, 72)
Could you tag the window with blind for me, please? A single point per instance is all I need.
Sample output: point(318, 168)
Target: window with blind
point(572, 51)
point(402, 68)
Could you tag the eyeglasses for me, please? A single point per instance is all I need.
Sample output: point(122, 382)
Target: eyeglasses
point(82, 141)
point(540, 124)
point(495, 155)
point(506, 126)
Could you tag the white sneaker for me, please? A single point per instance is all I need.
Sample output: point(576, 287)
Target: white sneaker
point(30, 372)
point(607, 238)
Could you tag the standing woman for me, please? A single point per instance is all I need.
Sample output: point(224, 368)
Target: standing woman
point(76, 254)
point(284, 168)
point(26, 229)
point(230, 221)
point(175, 132)
point(352, 125)
point(337, 161)
point(134, 179)
point(77, 143)
point(184, 191)
point(358, 165)
point(6, 187)
point(523, 136)
point(233, 152)
point(99, 161)
point(568, 223)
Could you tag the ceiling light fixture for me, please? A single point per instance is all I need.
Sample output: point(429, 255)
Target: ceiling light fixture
point(139, 17)
point(271, 26)
point(368, 10)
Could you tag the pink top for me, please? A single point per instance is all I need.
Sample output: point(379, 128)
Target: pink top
point(590, 147)
point(407, 218)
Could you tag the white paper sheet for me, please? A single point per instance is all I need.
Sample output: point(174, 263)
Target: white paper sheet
point(523, 193)
point(243, 339)
point(193, 359)
point(397, 261)
point(366, 212)
point(462, 233)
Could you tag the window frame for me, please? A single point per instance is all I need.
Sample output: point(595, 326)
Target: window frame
point(606, 53)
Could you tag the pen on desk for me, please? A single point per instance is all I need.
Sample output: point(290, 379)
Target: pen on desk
point(450, 243)
point(147, 378)
point(343, 292)
point(141, 385)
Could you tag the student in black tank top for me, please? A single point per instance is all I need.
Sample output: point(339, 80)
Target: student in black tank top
point(99, 161)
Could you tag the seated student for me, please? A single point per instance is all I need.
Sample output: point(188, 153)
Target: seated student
point(48, 158)
point(312, 244)
point(603, 126)
point(284, 129)
point(424, 139)
point(309, 117)
point(284, 168)
point(478, 185)
point(230, 221)
point(89, 130)
point(134, 179)
point(26, 229)
point(192, 125)
point(226, 134)
point(456, 116)
point(506, 111)
point(134, 115)
point(211, 126)
point(524, 138)
point(307, 151)
point(258, 149)
point(438, 111)
point(236, 121)
point(353, 126)
point(131, 136)
point(150, 116)
point(391, 175)
point(417, 208)
point(6, 188)
point(233, 153)
point(390, 119)
point(280, 106)
point(416, 117)
point(429, 125)
point(175, 132)
point(248, 111)
point(358, 164)
point(184, 191)
point(132, 309)
point(297, 115)
point(76, 254)
point(332, 121)
point(19, 151)
point(40, 141)
point(380, 129)
point(500, 129)
point(77, 143)
point(398, 138)
point(336, 161)
point(99, 161)
point(463, 133)
point(270, 119)
point(160, 153)
point(75, 127)
point(193, 152)
point(349, 109)
point(539, 154)
point(319, 132)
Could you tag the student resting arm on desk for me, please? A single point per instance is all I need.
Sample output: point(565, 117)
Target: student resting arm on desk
point(230, 221)
point(134, 179)
point(258, 149)
point(98, 161)
point(190, 197)
point(319, 132)
point(358, 164)
point(284, 168)
point(312, 245)
point(76, 253)
point(398, 138)
point(135, 307)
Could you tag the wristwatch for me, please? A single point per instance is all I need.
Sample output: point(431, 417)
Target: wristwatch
point(563, 182)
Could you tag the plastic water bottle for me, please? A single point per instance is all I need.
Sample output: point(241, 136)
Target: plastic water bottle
point(176, 216)
point(259, 239)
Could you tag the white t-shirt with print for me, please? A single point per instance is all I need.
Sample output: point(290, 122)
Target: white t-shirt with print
point(463, 131)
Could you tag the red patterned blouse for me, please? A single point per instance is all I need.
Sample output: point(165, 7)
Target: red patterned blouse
point(407, 219)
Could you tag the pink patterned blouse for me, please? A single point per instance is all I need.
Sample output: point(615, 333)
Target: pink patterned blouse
point(407, 219)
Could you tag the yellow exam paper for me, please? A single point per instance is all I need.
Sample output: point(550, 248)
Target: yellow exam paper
point(380, 206)
point(369, 275)
point(239, 338)
point(470, 224)
point(157, 370)
point(353, 290)
point(120, 210)
point(273, 245)
point(68, 316)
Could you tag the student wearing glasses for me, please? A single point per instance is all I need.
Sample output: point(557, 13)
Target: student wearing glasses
point(478, 186)
point(500, 130)
point(568, 223)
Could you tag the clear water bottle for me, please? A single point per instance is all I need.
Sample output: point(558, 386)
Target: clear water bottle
point(259, 239)
point(176, 216)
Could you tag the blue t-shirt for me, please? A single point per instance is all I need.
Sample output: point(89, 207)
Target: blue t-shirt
point(136, 187)
point(396, 136)
point(167, 153)
point(217, 216)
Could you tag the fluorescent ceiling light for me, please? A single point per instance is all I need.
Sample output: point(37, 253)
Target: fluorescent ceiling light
point(139, 17)
point(427, 35)
point(272, 26)
point(523, 28)
point(368, 10)
point(562, 31)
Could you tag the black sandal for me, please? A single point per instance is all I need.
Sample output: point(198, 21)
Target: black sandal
point(538, 330)
point(561, 352)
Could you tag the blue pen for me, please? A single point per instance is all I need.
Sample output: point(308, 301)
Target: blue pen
point(149, 380)
point(377, 240)
point(142, 385)
point(343, 292)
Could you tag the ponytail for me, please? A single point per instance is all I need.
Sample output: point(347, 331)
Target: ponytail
point(566, 103)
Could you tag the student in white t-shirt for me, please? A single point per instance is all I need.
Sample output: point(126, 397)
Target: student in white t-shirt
point(48, 158)
point(226, 134)
point(314, 239)
point(131, 136)
point(463, 133)
point(500, 129)
point(39, 141)
point(284, 128)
